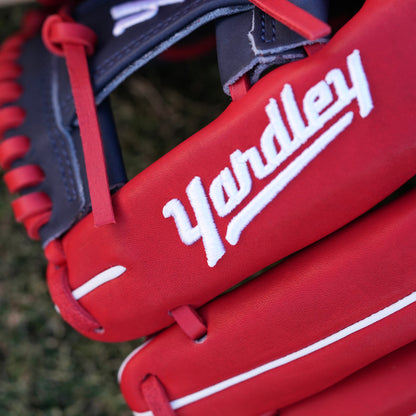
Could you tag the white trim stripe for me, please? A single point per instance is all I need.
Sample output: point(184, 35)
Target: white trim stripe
point(129, 357)
point(350, 330)
point(148, 413)
point(98, 280)
point(269, 192)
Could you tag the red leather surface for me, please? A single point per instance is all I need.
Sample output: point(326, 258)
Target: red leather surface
point(367, 161)
point(384, 388)
point(350, 276)
point(189, 321)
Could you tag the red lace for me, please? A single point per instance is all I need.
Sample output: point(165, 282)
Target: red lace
point(34, 208)
point(65, 38)
point(240, 88)
point(61, 292)
point(190, 322)
point(73, 41)
point(155, 396)
point(292, 16)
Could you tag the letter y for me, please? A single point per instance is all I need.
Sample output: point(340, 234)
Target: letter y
point(205, 228)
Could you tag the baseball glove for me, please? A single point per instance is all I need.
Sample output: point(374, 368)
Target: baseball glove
point(318, 133)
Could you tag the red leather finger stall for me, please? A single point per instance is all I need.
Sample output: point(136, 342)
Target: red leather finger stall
point(307, 324)
point(310, 147)
point(391, 378)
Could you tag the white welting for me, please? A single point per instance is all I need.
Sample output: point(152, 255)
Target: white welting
point(98, 280)
point(319, 345)
point(148, 413)
point(129, 357)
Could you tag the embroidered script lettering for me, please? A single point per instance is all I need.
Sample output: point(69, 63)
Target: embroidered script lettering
point(132, 13)
point(233, 184)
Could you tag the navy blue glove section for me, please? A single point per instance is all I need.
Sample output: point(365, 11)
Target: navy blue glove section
point(126, 42)
point(252, 42)
point(55, 145)
point(119, 55)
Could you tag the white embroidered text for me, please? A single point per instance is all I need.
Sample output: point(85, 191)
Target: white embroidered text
point(132, 13)
point(277, 143)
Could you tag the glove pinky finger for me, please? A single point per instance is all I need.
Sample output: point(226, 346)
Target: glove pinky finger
point(305, 325)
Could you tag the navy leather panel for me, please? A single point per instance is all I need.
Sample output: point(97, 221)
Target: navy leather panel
point(252, 42)
point(55, 146)
point(116, 57)
point(50, 148)
point(51, 122)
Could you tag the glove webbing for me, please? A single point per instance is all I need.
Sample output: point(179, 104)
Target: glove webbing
point(74, 41)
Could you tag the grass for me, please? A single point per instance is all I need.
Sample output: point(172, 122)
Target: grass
point(46, 368)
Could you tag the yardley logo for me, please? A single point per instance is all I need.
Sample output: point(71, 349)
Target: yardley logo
point(234, 183)
point(132, 13)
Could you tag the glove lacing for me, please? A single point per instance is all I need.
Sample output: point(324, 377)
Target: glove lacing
point(64, 38)
point(73, 41)
point(34, 208)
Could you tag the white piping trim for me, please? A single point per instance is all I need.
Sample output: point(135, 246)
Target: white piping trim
point(101, 278)
point(350, 330)
point(129, 357)
point(148, 413)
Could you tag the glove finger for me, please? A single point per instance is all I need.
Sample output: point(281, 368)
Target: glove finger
point(256, 185)
point(180, 243)
point(313, 320)
point(385, 387)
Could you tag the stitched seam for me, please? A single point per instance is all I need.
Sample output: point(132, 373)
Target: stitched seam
point(58, 148)
point(263, 29)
